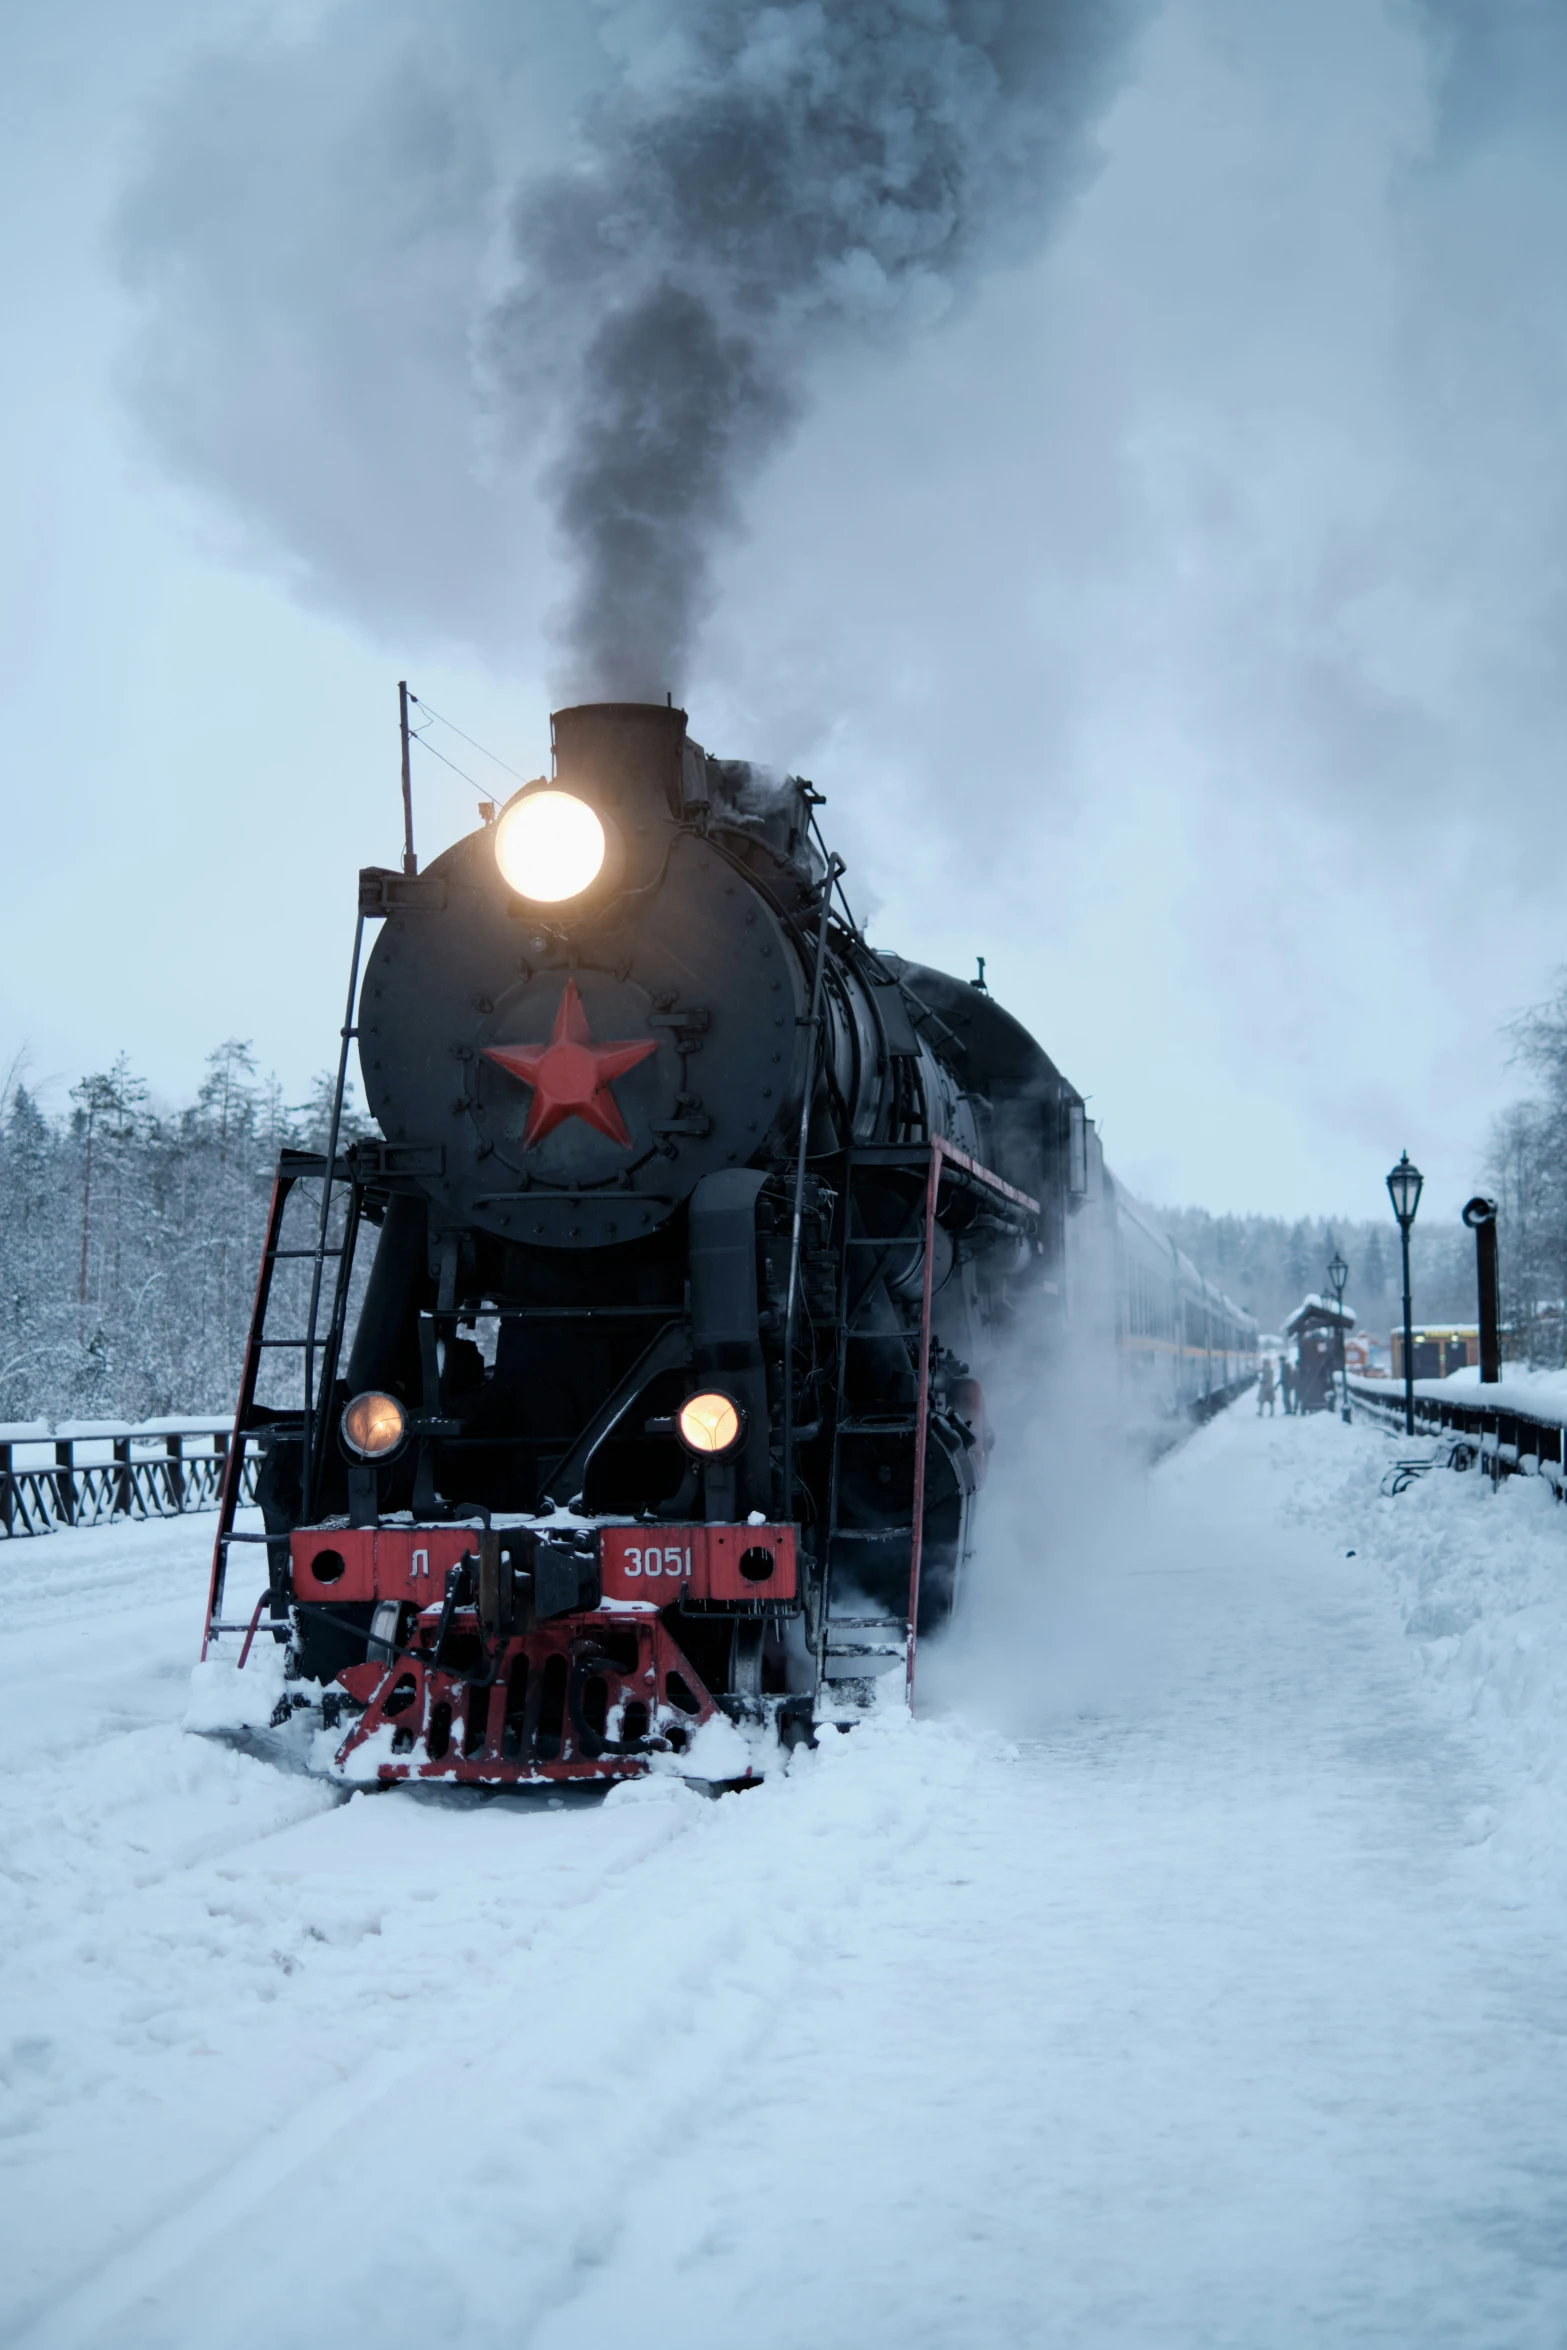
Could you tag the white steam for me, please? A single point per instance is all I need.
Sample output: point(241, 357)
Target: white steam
point(1053, 1623)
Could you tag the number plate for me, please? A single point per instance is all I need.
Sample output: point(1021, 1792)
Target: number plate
point(657, 1565)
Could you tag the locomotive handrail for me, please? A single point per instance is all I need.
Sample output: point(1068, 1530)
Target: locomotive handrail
point(102, 1473)
point(331, 1344)
point(813, 1031)
point(992, 1182)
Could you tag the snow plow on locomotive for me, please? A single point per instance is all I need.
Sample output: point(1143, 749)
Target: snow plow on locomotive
point(633, 1398)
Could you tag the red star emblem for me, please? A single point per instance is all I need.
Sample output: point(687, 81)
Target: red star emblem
point(571, 1075)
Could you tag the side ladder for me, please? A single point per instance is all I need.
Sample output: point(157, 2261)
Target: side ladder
point(293, 1166)
point(863, 1647)
point(857, 1649)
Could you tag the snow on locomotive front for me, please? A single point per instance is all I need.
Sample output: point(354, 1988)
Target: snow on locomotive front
point(657, 1408)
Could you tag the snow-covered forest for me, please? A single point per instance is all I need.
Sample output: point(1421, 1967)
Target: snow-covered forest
point(1528, 1174)
point(1267, 1263)
point(129, 1236)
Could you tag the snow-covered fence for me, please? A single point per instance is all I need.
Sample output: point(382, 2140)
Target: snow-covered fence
point(1513, 1430)
point(93, 1472)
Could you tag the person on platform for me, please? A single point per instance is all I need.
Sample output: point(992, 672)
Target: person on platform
point(1289, 1386)
point(1265, 1388)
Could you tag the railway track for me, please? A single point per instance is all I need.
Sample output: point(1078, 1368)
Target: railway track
point(296, 1978)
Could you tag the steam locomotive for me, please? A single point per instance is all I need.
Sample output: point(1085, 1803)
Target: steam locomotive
point(639, 1393)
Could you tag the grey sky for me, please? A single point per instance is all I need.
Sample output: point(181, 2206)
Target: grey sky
point(1175, 620)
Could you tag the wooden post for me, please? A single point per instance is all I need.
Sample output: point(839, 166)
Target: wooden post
point(64, 1480)
point(174, 1446)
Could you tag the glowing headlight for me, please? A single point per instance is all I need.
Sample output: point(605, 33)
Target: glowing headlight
point(709, 1423)
point(549, 846)
point(374, 1425)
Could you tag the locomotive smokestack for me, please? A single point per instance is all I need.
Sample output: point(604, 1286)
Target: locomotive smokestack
point(622, 756)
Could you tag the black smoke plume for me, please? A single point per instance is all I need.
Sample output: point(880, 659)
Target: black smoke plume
point(737, 193)
point(785, 179)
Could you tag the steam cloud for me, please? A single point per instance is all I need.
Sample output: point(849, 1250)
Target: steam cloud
point(751, 189)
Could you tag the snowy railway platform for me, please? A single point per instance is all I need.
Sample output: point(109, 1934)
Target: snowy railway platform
point(1189, 1973)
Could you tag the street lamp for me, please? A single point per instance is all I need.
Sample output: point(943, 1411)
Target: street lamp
point(1404, 1187)
point(1338, 1274)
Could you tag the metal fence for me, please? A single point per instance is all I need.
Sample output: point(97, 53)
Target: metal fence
point(97, 1476)
point(1504, 1440)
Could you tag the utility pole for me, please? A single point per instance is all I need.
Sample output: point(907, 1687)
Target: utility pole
point(410, 861)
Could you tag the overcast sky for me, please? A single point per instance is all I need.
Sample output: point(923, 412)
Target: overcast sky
point(1174, 615)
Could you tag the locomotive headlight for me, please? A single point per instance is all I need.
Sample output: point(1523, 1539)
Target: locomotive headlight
point(709, 1423)
point(374, 1425)
point(549, 846)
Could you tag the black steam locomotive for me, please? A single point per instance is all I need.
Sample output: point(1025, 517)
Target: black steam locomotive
point(697, 1223)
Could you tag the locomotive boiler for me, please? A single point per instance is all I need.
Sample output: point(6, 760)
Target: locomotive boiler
point(640, 1382)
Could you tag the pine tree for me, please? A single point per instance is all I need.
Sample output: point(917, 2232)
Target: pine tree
point(1298, 1262)
point(1373, 1280)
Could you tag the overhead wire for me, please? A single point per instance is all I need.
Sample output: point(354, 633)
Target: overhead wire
point(414, 736)
point(419, 701)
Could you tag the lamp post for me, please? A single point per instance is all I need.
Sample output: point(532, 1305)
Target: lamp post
point(1404, 1187)
point(1338, 1274)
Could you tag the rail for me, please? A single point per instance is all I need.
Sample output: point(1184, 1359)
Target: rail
point(1502, 1437)
point(100, 1473)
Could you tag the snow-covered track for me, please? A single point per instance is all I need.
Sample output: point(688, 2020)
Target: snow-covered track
point(1224, 2010)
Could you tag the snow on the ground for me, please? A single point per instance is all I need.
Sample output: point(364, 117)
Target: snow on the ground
point(1220, 2006)
point(1480, 1575)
